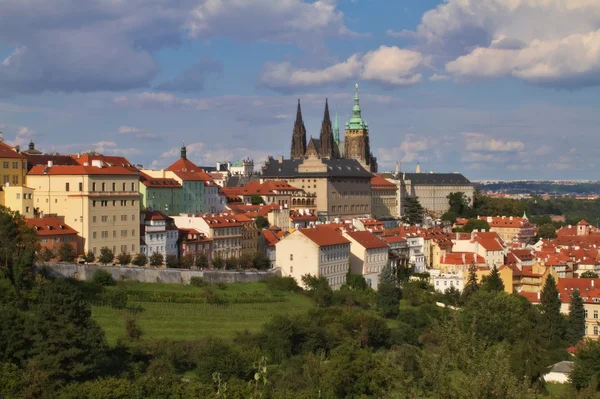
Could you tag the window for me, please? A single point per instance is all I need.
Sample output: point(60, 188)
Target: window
point(124, 187)
point(586, 313)
point(15, 179)
point(94, 235)
point(93, 186)
point(67, 186)
point(291, 269)
point(19, 196)
point(80, 186)
point(15, 165)
point(105, 234)
point(132, 186)
point(123, 233)
point(291, 256)
point(123, 248)
point(114, 233)
point(595, 314)
point(103, 186)
point(104, 219)
point(26, 209)
point(133, 233)
point(114, 186)
point(94, 250)
point(93, 203)
point(133, 218)
point(595, 330)
point(5, 165)
point(123, 218)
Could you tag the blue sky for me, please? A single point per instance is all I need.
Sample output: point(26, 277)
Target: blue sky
point(501, 89)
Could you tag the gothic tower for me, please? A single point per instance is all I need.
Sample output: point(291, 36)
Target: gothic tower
point(356, 142)
point(298, 137)
point(327, 143)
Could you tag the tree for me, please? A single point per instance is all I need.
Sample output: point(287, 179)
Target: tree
point(67, 253)
point(140, 259)
point(67, 344)
point(46, 254)
point(186, 261)
point(319, 289)
point(550, 305)
point(218, 262)
point(262, 222)
point(132, 331)
point(547, 231)
point(413, 211)
point(156, 259)
point(172, 261)
point(256, 200)
point(472, 286)
point(18, 246)
point(589, 274)
point(388, 299)
point(387, 275)
point(476, 224)
point(90, 257)
point(124, 258)
point(261, 261)
point(494, 282)
point(451, 296)
point(201, 261)
point(232, 263)
point(356, 281)
point(587, 365)
point(245, 261)
point(459, 203)
point(576, 329)
point(106, 256)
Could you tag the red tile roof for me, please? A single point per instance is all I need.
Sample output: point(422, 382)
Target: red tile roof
point(158, 182)
point(254, 211)
point(324, 237)
point(156, 215)
point(379, 183)
point(367, 239)
point(107, 160)
point(583, 223)
point(531, 296)
point(589, 288)
point(79, 170)
point(218, 221)
point(296, 216)
point(505, 221)
point(270, 237)
point(50, 226)
point(183, 165)
point(199, 175)
point(7, 151)
point(393, 239)
point(461, 258)
point(255, 187)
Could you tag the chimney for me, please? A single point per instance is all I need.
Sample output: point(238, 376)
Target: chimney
point(464, 258)
point(280, 159)
point(511, 218)
point(592, 282)
point(538, 295)
point(50, 164)
point(97, 163)
point(489, 219)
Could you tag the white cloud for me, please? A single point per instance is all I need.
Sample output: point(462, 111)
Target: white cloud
point(138, 133)
point(544, 149)
point(546, 42)
point(414, 148)
point(437, 77)
point(480, 142)
point(385, 65)
point(22, 138)
point(207, 155)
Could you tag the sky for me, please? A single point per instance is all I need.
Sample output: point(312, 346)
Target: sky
point(494, 89)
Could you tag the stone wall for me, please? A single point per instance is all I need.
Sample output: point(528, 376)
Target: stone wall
point(155, 275)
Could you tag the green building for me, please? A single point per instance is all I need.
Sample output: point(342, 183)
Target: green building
point(161, 194)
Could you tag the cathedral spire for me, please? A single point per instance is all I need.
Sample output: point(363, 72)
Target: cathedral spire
point(327, 143)
point(336, 130)
point(298, 136)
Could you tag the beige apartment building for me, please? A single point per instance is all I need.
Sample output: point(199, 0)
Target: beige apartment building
point(101, 202)
point(384, 200)
point(342, 187)
point(320, 252)
point(368, 255)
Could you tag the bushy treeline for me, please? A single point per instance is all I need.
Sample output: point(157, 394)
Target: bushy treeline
point(356, 343)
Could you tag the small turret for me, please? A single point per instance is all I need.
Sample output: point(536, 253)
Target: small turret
point(183, 151)
point(418, 168)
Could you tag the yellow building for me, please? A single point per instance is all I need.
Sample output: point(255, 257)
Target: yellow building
point(18, 198)
point(13, 167)
point(384, 198)
point(101, 202)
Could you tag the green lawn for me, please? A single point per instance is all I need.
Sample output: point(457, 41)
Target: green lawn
point(187, 321)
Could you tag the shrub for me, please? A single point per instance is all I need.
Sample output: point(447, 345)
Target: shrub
point(197, 281)
point(106, 256)
point(116, 299)
point(286, 284)
point(124, 259)
point(67, 253)
point(221, 286)
point(186, 261)
point(202, 261)
point(132, 330)
point(218, 263)
point(156, 259)
point(104, 278)
point(140, 259)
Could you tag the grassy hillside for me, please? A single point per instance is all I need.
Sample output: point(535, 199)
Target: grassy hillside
point(244, 306)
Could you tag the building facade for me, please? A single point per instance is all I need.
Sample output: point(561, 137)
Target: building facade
point(161, 194)
point(224, 231)
point(195, 243)
point(53, 233)
point(19, 199)
point(158, 234)
point(13, 165)
point(384, 198)
point(318, 252)
point(101, 203)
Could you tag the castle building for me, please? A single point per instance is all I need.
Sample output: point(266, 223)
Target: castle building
point(356, 144)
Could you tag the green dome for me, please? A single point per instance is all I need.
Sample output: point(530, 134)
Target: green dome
point(356, 122)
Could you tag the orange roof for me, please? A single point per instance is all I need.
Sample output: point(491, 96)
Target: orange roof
point(461, 258)
point(531, 296)
point(7, 151)
point(217, 222)
point(155, 215)
point(490, 244)
point(50, 226)
point(588, 288)
point(254, 211)
point(158, 182)
point(270, 237)
point(324, 237)
point(183, 165)
point(391, 239)
point(379, 183)
point(296, 216)
point(583, 223)
point(79, 170)
point(198, 175)
point(255, 187)
point(367, 239)
point(505, 221)
point(106, 160)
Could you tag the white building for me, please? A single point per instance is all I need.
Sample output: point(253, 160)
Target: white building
point(442, 281)
point(158, 234)
point(489, 245)
point(214, 200)
point(416, 257)
point(319, 252)
point(559, 372)
point(368, 255)
point(224, 230)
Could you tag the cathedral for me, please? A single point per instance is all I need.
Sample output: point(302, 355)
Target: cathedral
point(355, 146)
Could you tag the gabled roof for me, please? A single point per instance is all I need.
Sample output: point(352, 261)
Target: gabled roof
point(324, 237)
point(443, 179)
point(270, 237)
point(50, 226)
point(367, 239)
point(379, 183)
point(461, 258)
point(198, 175)
point(7, 151)
point(219, 221)
point(288, 168)
point(155, 215)
point(393, 239)
point(107, 160)
point(158, 182)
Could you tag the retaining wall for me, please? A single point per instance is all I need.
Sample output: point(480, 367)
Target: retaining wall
point(155, 275)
